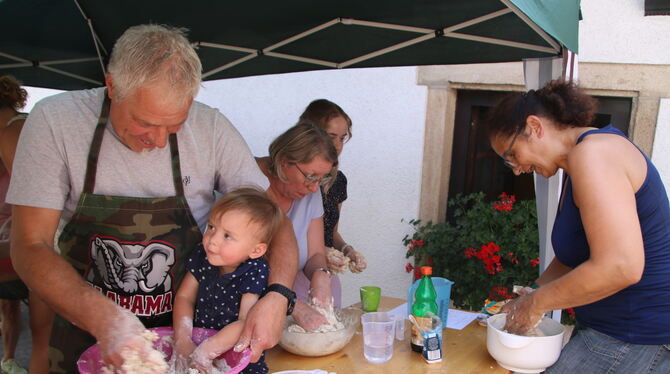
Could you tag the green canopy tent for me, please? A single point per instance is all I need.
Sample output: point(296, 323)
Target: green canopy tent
point(65, 44)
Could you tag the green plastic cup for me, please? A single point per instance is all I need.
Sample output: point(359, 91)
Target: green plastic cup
point(370, 296)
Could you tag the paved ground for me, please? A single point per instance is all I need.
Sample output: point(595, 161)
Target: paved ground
point(25, 343)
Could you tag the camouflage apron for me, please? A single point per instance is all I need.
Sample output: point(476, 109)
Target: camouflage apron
point(131, 249)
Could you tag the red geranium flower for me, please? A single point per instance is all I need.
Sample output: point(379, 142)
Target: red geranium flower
point(512, 258)
point(498, 293)
point(487, 254)
point(534, 263)
point(409, 267)
point(505, 203)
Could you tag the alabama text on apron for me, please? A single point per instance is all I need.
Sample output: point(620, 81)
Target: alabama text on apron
point(131, 249)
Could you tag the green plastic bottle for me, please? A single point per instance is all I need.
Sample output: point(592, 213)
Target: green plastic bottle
point(424, 301)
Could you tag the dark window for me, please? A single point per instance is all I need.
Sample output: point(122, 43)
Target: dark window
point(614, 111)
point(656, 7)
point(476, 167)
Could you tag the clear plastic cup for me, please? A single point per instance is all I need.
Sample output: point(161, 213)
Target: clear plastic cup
point(378, 333)
point(400, 328)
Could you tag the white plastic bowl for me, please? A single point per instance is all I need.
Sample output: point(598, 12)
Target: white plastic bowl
point(524, 354)
point(314, 344)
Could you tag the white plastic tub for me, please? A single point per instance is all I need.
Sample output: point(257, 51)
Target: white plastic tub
point(524, 354)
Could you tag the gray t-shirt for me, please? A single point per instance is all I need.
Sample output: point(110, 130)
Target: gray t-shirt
point(50, 162)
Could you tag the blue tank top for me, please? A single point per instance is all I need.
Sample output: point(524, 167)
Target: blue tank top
point(640, 313)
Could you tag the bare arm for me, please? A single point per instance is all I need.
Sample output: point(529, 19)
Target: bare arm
point(283, 255)
point(604, 189)
point(554, 271)
point(223, 340)
point(357, 259)
point(47, 273)
point(283, 252)
point(182, 316)
point(62, 288)
point(184, 303)
point(338, 241)
point(4, 249)
point(265, 321)
point(316, 260)
point(229, 335)
point(316, 250)
point(8, 142)
point(320, 290)
point(9, 137)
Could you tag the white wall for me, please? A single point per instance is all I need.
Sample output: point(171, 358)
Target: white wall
point(661, 152)
point(382, 161)
point(36, 94)
point(622, 34)
point(617, 31)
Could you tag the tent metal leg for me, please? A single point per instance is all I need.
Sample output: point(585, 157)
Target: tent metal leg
point(537, 72)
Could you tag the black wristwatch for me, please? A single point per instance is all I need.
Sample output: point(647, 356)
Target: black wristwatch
point(284, 291)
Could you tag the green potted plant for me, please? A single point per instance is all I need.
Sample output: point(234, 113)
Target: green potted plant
point(486, 248)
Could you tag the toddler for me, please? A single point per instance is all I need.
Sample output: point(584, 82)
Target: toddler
point(226, 276)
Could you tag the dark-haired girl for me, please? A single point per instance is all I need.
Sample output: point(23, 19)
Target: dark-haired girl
point(611, 235)
point(337, 124)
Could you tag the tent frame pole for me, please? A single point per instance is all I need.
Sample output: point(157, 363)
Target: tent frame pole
point(537, 72)
point(448, 32)
point(45, 65)
point(532, 24)
point(96, 40)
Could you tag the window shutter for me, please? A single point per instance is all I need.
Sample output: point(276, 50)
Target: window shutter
point(656, 7)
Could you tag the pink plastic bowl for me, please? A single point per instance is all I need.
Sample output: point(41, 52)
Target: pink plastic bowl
point(90, 361)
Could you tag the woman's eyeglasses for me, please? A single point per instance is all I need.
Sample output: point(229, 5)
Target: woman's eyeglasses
point(311, 180)
point(506, 154)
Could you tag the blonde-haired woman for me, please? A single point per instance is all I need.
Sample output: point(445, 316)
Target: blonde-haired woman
point(300, 160)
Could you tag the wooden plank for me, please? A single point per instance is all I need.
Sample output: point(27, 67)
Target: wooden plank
point(464, 352)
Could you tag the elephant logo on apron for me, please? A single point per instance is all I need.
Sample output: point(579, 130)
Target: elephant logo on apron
point(135, 275)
